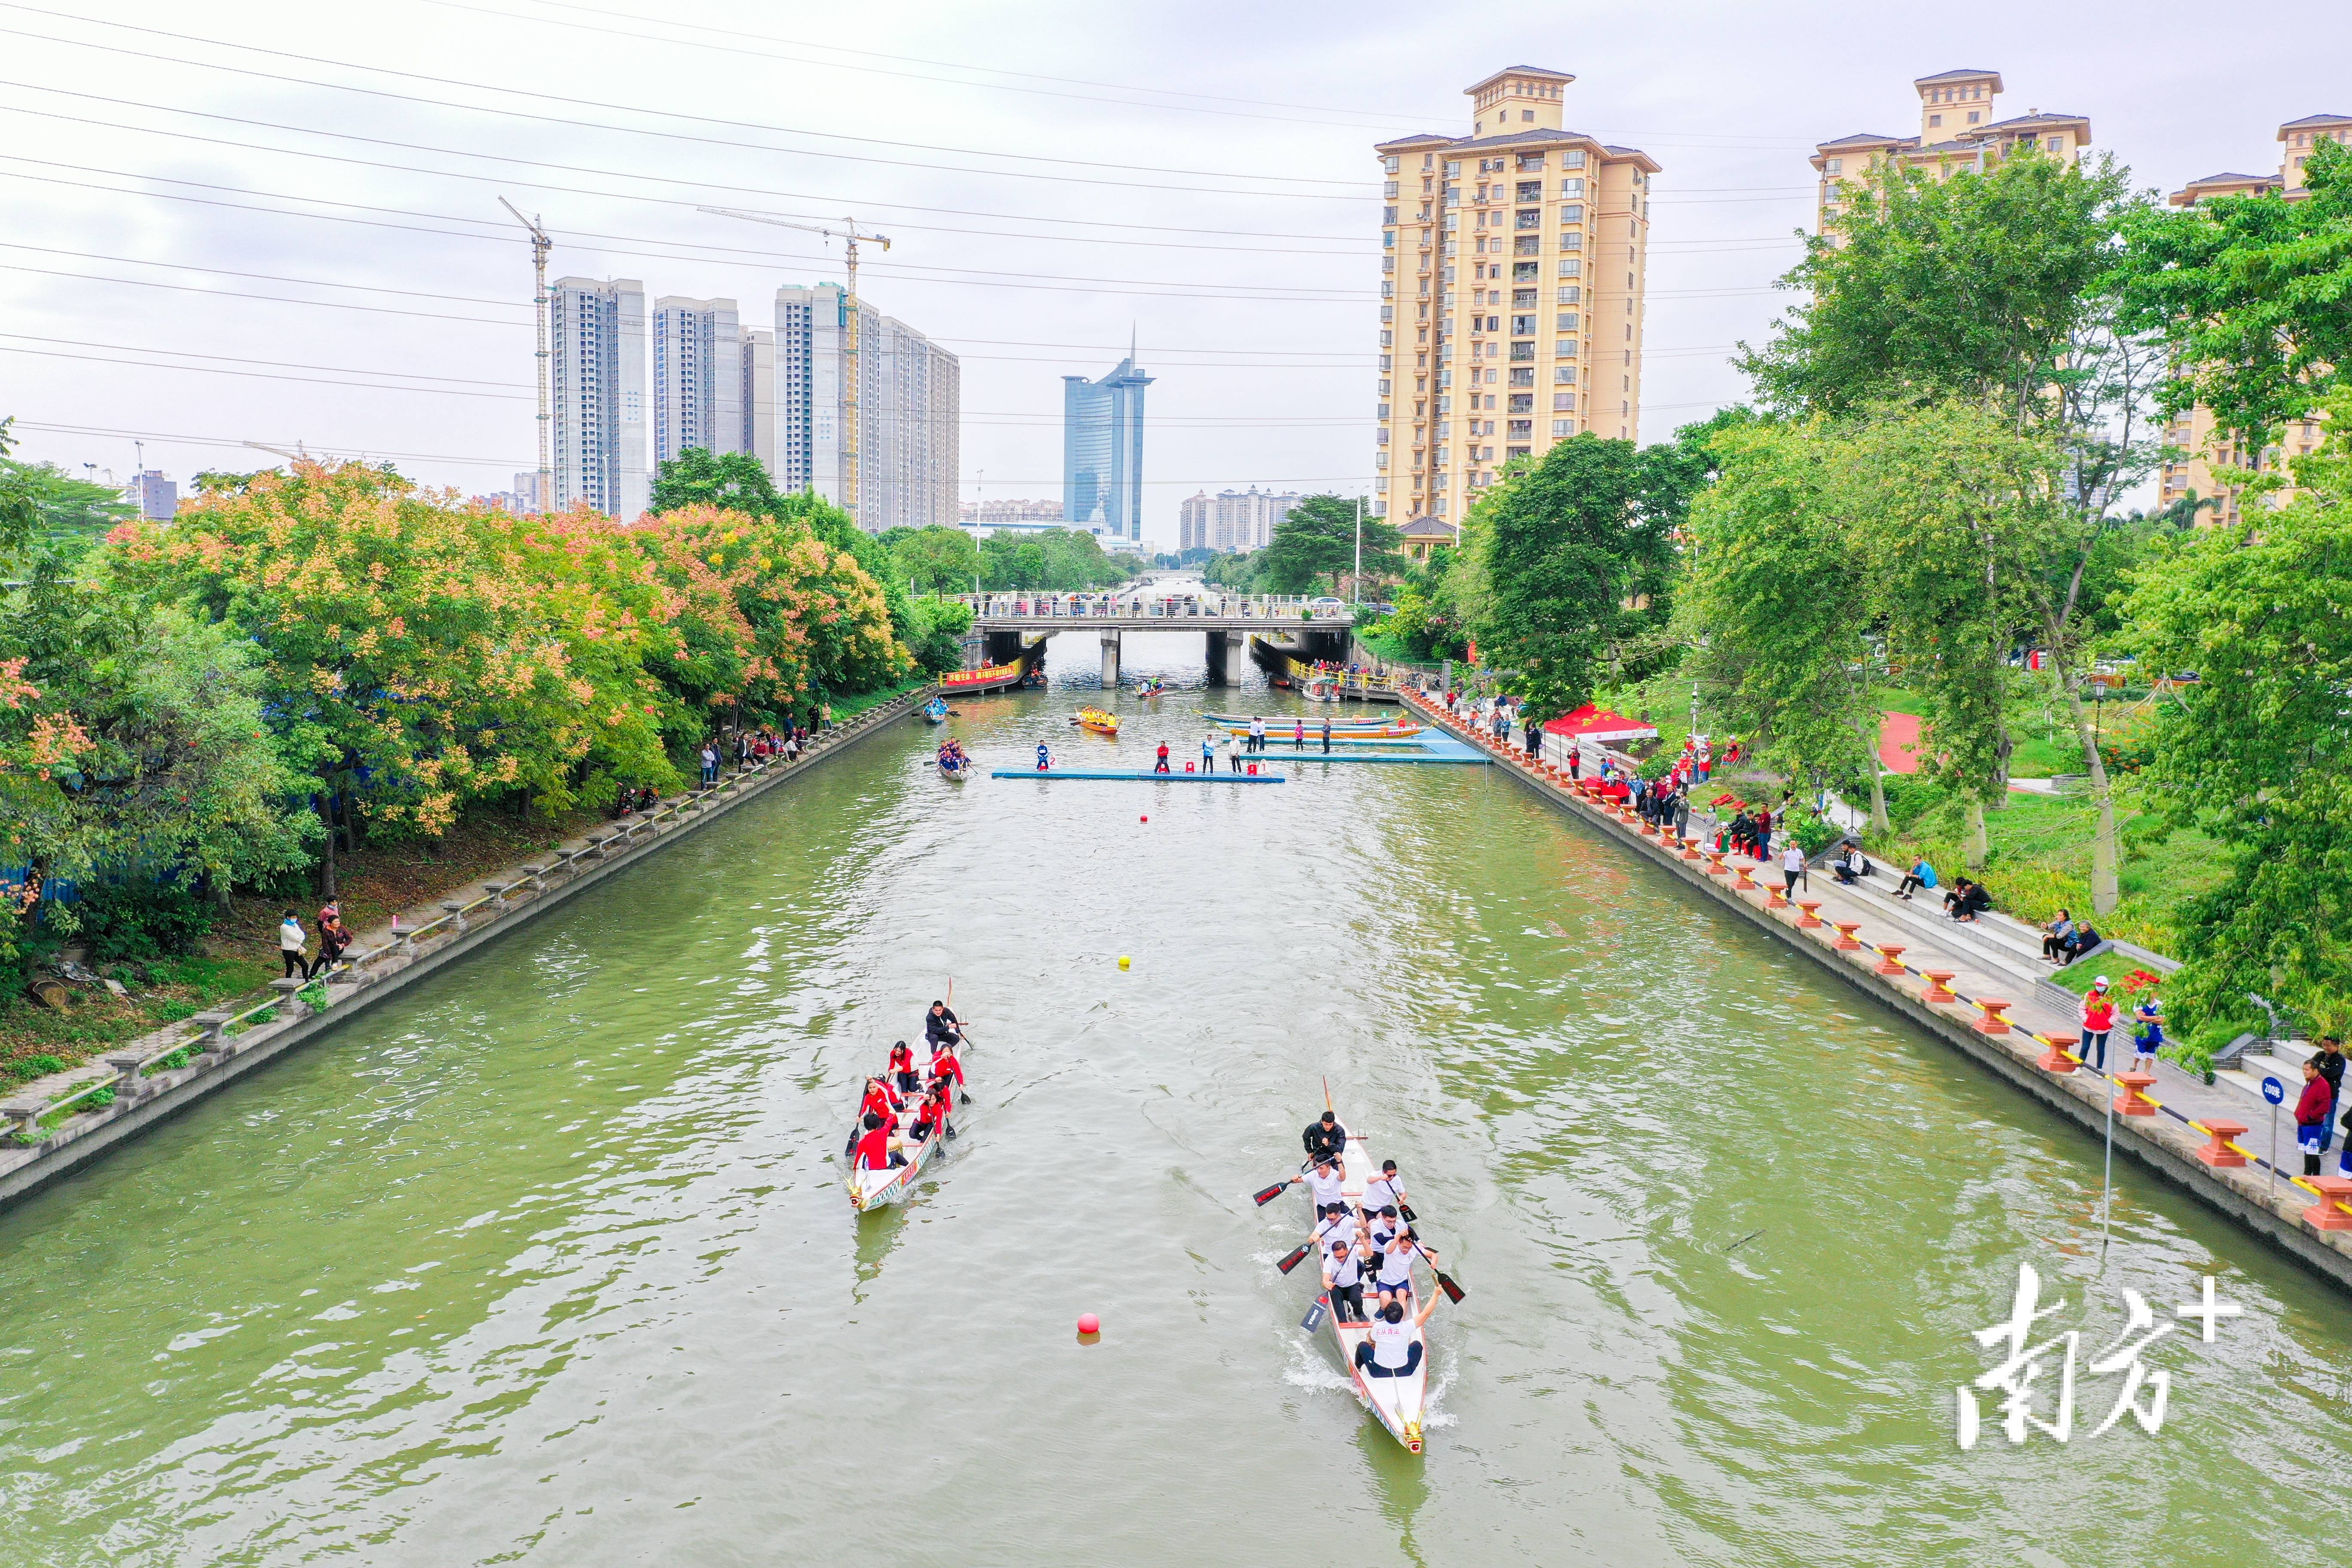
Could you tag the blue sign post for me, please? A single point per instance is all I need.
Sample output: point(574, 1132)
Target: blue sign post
point(2275, 1092)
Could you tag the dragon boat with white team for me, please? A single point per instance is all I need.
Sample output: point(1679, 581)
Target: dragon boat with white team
point(1401, 1402)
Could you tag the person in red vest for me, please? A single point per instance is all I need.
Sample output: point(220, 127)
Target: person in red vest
point(2098, 1018)
point(1162, 766)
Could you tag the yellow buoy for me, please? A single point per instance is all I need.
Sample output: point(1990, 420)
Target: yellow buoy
point(1122, 960)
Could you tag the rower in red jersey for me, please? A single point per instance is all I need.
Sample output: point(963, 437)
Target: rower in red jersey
point(874, 1150)
point(945, 1064)
point(931, 1116)
point(902, 1069)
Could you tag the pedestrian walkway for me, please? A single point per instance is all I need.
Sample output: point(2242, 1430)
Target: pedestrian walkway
point(1898, 743)
point(1978, 979)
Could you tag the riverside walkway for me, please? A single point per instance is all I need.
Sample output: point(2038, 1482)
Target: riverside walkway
point(1974, 987)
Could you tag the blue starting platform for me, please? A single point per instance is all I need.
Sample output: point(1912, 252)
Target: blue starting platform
point(1142, 773)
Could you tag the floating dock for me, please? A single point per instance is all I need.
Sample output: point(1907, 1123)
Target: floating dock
point(1142, 773)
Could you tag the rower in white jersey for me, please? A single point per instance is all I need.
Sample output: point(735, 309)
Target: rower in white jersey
point(1323, 1182)
point(1385, 1189)
point(1393, 1276)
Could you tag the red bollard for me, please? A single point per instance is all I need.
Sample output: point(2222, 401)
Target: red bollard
point(1846, 941)
point(2218, 1153)
point(1774, 898)
point(1890, 961)
point(1939, 985)
point(2056, 1059)
point(1715, 865)
point(1806, 921)
point(1747, 884)
point(1989, 1020)
point(2132, 1101)
point(2326, 1213)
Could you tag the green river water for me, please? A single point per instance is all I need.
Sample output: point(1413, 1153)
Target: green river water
point(548, 1261)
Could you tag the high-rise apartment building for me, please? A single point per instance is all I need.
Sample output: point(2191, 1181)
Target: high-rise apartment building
point(1237, 521)
point(760, 396)
point(2214, 464)
point(1957, 130)
point(910, 406)
point(1102, 450)
point(1512, 267)
point(596, 364)
point(698, 362)
point(156, 497)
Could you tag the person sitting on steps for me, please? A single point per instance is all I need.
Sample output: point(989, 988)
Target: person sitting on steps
point(2057, 939)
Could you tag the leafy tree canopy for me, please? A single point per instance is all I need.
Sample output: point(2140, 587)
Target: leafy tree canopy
point(1316, 544)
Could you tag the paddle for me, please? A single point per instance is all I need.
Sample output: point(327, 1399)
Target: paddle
point(1293, 1261)
point(1314, 1318)
point(1454, 1292)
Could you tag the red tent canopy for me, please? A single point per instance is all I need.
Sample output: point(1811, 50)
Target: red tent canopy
point(1603, 724)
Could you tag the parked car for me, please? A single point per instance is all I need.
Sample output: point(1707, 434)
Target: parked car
point(1326, 603)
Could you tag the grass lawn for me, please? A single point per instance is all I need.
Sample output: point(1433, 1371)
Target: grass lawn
point(847, 707)
point(2041, 860)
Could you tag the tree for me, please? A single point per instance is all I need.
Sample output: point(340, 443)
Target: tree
point(2253, 294)
point(1051, 560)
point(2257, 751)
point(1566, 558)
point(40, 501)
point(1996, 292)
point(934, 560)
point(1777, 605)
point(1315, 541)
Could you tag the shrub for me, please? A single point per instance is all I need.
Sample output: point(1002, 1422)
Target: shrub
point(142, 919)
point(25, 1068)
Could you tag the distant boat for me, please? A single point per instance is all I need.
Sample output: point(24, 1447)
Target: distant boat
point(1150, 687)
point(956, 768)
point(935, 712)
point(1097, 720)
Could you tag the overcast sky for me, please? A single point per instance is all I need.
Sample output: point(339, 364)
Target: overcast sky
point(1052, 177)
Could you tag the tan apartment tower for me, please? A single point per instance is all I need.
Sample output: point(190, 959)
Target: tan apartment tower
point(1512, 265)
point(1958, 128)
point(2212, 466)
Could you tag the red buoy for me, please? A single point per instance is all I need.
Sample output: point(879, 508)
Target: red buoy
point(1143, 819)
point(1089, 1323)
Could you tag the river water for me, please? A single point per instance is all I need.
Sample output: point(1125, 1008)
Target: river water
point(549, 1262)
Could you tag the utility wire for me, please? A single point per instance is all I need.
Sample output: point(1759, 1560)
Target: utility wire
point(1358, 186)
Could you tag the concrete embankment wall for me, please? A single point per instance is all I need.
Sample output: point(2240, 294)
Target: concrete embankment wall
point(145, 1100)
point(2284, 1212)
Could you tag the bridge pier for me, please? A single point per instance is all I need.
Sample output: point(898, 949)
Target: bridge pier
point(1223, 649)
point(1110, 661)
point(1003, 648)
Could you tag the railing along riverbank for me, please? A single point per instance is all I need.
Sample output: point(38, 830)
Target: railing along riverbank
point(165, 1072)
point(2190, 1135)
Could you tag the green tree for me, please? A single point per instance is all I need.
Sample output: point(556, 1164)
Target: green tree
point(1996, 292)
point(1779, 607)
point(1316, 543)
point(934, 560)
point(2253, 295)
point(1566, 558)
point(2257, 751)
point(1051, 560)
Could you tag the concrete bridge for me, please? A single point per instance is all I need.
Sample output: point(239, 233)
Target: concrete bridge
point(1010, 622)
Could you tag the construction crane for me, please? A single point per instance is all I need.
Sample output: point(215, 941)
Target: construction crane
point(539, 245)
point(848, 234)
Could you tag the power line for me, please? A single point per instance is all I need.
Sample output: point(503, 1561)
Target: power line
point(700, 185)
point(241, 294)
point(244, 359)
point(736, 50)
point(727, 255)
point(260, 277)
point(1360, 187)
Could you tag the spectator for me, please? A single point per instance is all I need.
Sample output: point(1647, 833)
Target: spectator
point(1742, 832)
point(1921, 875)
point(2086, 937)
point(709, 764)
point(2098, 1019)
point(1763, 831)
point(1792, 866)
point(1575, 761)
point(2056, 936)
point(2329, 1060)
point(1234, 753)
point(290, 942)
point(1966, 900)
point(2147, 1031)
point(334, 938)
point(1851, 866)
point(2311, 1116)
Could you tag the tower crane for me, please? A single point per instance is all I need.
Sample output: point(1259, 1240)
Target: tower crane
point(847, 233)
point(539, 246)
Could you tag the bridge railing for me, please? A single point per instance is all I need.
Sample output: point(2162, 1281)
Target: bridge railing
point(1131, 608)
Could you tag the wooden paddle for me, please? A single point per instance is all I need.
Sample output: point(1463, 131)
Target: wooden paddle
point(1454, 1292)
